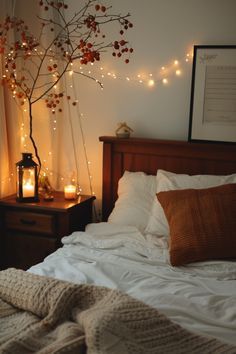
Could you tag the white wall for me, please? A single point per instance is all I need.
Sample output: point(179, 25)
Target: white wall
point(164, 30)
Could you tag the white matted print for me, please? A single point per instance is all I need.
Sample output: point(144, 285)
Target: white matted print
point(213, 95)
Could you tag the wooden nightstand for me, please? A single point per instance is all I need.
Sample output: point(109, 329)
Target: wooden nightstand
point(31, 231)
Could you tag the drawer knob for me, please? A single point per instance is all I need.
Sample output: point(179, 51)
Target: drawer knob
point(28, 222)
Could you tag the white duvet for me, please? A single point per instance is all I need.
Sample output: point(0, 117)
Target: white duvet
point(200, 297)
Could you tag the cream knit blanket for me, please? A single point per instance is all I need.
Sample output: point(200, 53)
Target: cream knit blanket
point(44, 315)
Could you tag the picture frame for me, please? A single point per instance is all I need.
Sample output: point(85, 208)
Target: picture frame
point(213, 94)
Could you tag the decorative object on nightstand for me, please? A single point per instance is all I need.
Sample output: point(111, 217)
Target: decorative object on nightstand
point(31, 231)
point(27, 179)
point(45, 188)
point(123, 130)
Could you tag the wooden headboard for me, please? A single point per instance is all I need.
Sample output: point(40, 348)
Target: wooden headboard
point(149, 155)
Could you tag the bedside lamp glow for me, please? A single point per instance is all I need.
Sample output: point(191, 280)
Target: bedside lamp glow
point(27, 179)
point(70, 191)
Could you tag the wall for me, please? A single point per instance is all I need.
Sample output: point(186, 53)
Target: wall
point(164, 30)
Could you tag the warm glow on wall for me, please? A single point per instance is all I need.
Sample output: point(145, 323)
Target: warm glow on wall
point(149, 79)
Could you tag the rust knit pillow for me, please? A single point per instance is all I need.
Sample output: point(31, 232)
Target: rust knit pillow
point(202, 223)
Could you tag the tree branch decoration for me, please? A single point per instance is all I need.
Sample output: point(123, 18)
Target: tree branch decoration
point(33, 68)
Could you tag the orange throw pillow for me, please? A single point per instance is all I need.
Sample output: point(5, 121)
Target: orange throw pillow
point(202, 223)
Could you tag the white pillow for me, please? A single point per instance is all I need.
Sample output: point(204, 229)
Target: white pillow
point(136, 192)
point(165, 181)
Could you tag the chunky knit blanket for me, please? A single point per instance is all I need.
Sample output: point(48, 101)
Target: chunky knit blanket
point(43, 315)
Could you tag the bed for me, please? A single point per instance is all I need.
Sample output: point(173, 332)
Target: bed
point(148, 265)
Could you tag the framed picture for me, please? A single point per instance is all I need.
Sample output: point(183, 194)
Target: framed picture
point(213, 94)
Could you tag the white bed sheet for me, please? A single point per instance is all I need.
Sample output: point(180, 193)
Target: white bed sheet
point(200, 296)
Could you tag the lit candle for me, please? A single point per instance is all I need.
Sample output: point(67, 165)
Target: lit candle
point(28, 189)
point(70, 191)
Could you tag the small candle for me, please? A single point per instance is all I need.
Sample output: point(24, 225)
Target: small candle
point(28, 190)
point(70, 191)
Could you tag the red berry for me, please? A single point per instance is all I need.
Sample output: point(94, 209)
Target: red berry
point(126, 61)
point(97, 7)
point(123, 42)
point(103, 8)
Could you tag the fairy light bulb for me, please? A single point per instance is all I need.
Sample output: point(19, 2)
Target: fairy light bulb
point(178, 72)
point(165, 81)
point(151, 83)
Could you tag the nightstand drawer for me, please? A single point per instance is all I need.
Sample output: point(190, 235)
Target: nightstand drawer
point(27, 221)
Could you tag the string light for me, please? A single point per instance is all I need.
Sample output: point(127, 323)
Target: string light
point(147, 79)
point(151, 83)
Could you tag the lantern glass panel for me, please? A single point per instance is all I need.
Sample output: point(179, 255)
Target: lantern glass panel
point(27, 178)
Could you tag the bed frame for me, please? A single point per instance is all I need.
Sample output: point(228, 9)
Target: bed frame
point(149, 155)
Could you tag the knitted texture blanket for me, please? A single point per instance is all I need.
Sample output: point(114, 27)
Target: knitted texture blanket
point(44, 315)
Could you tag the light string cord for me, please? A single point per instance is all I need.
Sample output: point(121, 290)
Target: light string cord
point(79, 115)
point(72, 135)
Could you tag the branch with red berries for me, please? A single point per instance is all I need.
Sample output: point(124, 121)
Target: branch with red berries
point(33, 68)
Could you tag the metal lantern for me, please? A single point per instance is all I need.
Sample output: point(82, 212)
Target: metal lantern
point(27, 179)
